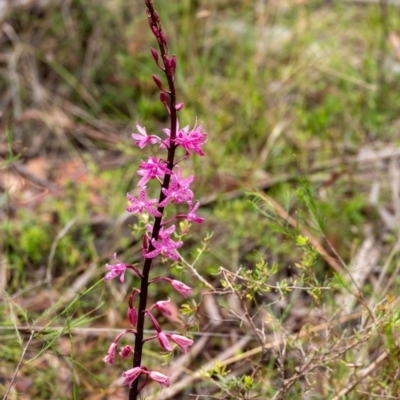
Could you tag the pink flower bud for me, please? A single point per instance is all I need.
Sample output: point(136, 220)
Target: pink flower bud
point(110, 357)
point(155, 31)
point(163, 38)
point(132, 316)
point(182, 341)
point(178, 106)
point(157, 16)
point(172, 63)
point(126, 352)
point(167, 62)
point(157, 81)
point(163, 97)
point(180, 287)
point(163, 340)
point(131, 375)
point(160, 378)
point(154, 53)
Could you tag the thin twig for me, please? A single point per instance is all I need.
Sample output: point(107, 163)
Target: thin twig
point(45, 330)
point(195, 273)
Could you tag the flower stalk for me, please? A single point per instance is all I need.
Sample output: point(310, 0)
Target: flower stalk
point(157, 241)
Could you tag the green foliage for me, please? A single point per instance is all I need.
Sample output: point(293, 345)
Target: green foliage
point(34, 241)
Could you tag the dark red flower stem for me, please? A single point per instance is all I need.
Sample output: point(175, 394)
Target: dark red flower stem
point(137, 359)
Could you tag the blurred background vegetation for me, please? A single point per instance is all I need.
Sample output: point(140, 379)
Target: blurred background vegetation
point(300, 99)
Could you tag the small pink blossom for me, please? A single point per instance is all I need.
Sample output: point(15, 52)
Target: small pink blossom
point(110, 356)
point(191, 140)
point(142, 204)
point(178, 190)
point(163, 340)
point(191, 216)
point(163, 306)
point(152, 169)
point(167, 248)
point(132, 316)
point(125, 352)
point(180, 287)
point(182, 341)
point(142, 139)
point(163, 235)
point(160, 378)
point(131, 375)
point(115, 270)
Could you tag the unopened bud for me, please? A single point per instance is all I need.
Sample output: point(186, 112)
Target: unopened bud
point(125, 352)
point(157, 16)
point(163, 38)
point(163, 97)
point(132, 316)
point(178, 106)
point(173, 63)
point(167, 62)
point(155, 31)
point(154, 53)
point(157, 81)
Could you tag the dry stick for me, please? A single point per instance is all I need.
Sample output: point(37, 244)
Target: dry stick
point(195, 273)
point(45, 330)
point(23, 171)
point(58, 118)
point(19, 364)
